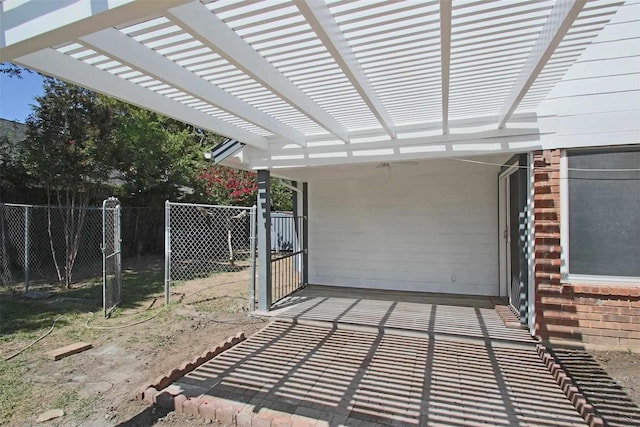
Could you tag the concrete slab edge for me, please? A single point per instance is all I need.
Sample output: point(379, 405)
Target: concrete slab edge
point(149, 392)
point(569, 388)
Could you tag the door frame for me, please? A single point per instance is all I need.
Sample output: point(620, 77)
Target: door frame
point(513, 165)
point(503, 222)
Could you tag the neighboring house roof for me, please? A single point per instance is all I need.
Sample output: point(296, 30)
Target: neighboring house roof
point(321, 82)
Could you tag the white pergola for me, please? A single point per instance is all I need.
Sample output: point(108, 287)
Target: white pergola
point(318, 82)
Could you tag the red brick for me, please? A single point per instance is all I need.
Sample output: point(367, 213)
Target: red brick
point(633, 326)
point(616, 318)
point(244, 418)
point(208, 410)
point(606, 309)
point(226, 414)
point(178, 401)
point(281, 422)
point(149, 395)
point(190, 406)
point(265, 421)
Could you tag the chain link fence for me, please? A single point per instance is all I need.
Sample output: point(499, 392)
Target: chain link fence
point(50, 244)
point(202, 240)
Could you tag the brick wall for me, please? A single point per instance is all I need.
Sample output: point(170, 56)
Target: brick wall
point(596, 314)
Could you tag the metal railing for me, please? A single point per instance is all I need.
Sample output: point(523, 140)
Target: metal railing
point(286, 254)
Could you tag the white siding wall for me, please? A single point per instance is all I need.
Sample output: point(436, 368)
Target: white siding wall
point(410, 228)
point(598, 100)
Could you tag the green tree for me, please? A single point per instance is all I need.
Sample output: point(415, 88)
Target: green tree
point(157, 158)
point(68, 152)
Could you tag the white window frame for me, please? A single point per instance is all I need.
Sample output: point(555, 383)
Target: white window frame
point(565, 268)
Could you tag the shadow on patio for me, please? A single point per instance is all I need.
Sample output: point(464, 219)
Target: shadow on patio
point(344, 375)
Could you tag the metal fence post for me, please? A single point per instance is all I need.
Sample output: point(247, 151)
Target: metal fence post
point(252, 249)
point(26, 247)
point(305, 234)
point(103, 249)
point(167, 251)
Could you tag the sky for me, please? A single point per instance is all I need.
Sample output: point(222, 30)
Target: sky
point(16, 95)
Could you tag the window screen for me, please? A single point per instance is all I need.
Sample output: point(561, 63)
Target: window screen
point(604, 212)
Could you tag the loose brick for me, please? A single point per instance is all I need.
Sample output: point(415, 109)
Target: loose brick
point(67, 350)
point(149, 395)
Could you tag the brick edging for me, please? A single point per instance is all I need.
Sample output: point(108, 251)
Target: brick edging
point(569, 388)
point(149, 392)
point(508, 318)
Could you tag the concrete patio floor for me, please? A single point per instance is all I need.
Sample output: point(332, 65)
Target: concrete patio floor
point(385, 362)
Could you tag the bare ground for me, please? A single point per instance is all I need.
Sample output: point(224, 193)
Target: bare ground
point(98, 387)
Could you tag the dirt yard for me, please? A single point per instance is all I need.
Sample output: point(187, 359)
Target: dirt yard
point(143, 339)
point(140, 341)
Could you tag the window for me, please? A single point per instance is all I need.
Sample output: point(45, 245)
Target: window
point(604, 212)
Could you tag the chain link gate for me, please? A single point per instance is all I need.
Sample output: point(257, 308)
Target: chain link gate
point(203, 240)
point(111, 255)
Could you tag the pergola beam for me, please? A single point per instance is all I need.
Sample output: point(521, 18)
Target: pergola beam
point(485, 146)
point(411, 142)
point(115, 44)
point(210, 30)
point(560, 20)
point(445, 59)
point(56, 64)
point(34, 26)
point(321, 20)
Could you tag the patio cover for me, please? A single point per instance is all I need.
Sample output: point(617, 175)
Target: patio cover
point(316, 82)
